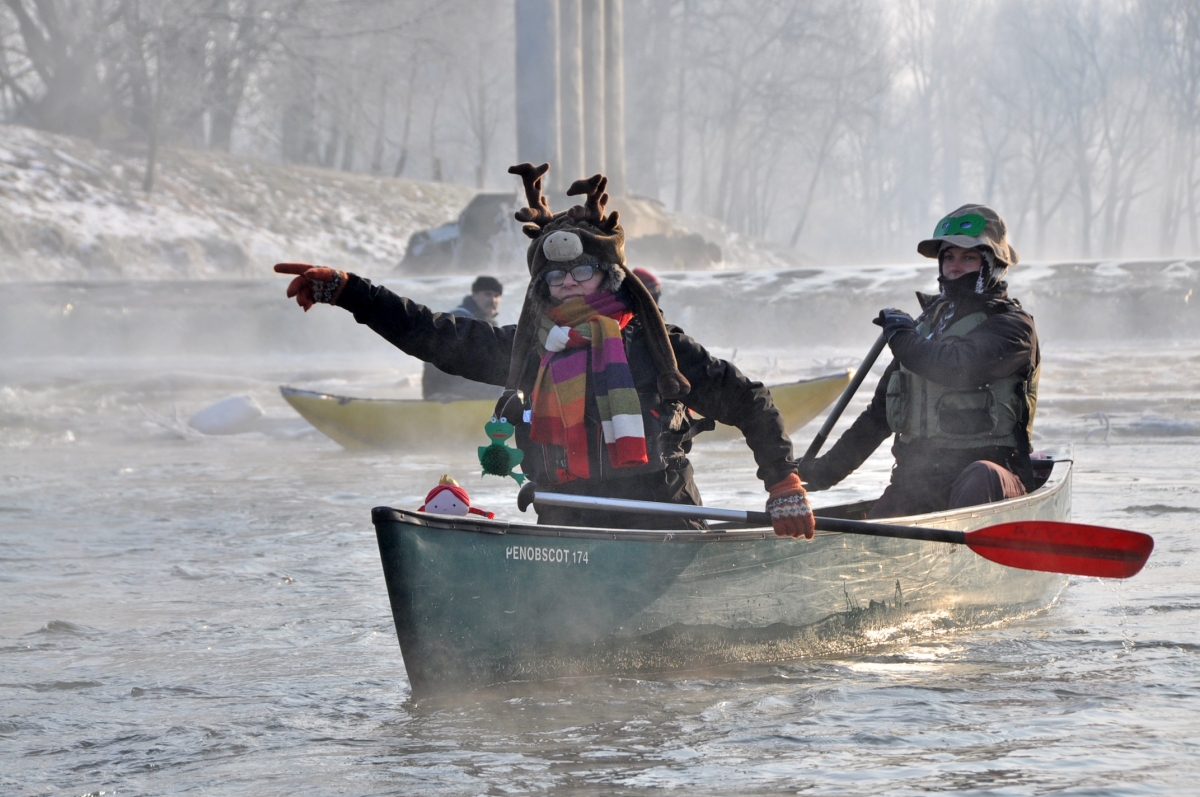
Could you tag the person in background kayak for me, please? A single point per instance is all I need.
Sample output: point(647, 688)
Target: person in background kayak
point(598, 386)
point(651, 281)
point(961, 393)
point(483, 304)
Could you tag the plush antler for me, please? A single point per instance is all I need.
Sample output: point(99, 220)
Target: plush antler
point(538, 213)
point(593, 211)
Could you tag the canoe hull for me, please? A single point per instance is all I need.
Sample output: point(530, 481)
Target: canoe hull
point(362, 423)
point(477, 603)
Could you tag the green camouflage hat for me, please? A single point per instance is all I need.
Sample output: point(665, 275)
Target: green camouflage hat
point(971, 226)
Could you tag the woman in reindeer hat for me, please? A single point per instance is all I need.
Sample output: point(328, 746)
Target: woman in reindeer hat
point(598, 386)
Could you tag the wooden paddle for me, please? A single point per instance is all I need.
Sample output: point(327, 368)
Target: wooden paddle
point(844, 399)
point(1047, 545)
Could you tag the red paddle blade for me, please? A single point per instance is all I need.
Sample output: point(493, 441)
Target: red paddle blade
point(1056, 547)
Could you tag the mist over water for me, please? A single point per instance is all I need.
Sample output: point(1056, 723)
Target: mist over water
point(182, 613)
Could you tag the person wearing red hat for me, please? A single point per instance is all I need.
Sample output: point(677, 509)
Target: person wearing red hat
point(651, 281)
point(599, 388)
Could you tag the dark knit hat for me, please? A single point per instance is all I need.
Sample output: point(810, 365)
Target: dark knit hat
point(486, 283)
point(583, 235)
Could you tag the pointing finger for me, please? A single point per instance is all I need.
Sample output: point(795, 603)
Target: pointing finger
point(292, 268)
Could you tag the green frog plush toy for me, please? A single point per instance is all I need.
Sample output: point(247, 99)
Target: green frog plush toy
point(496, 457)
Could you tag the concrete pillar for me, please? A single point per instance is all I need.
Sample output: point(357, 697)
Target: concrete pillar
point(570, 90)
point(614, 96)
point(592, 30)
point(537, 85)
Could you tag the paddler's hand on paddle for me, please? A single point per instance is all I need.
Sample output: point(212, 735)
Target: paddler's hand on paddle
point(313, 284)
point(791, 516)
point(893, 321)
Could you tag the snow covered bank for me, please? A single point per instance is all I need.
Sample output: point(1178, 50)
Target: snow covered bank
point(70, 211)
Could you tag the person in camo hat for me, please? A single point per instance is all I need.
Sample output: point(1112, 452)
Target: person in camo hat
point(961, 392)
point(599, 387)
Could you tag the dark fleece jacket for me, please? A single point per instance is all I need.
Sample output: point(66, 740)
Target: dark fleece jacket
point(437, 385)
point(1005, 344)
point(479, 351)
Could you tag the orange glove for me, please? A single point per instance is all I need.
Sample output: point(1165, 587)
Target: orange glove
point(313, 284)
point(788, 507)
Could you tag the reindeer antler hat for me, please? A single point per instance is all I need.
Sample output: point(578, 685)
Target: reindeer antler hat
point(581, 235)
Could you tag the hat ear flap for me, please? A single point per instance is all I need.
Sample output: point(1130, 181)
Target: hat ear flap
point(672, 384)
point(522, 340)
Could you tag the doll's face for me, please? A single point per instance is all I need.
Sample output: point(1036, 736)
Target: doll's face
point(499, 428)
point(446, 503)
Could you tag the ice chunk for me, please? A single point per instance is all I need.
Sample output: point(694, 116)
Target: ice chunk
point(232, 415)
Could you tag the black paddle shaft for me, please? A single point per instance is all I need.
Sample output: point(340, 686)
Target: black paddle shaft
point(844, 399)
point(872, 529)
point(740, 516)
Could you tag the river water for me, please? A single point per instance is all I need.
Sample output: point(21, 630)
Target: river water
point(191, 614)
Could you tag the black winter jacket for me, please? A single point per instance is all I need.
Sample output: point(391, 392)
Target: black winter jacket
point(437, 385)
point(479, 351)
point(1005, 344)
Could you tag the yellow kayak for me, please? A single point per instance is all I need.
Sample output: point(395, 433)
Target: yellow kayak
point(363, 423)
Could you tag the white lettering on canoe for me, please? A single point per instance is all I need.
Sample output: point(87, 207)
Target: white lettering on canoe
point(557, 556)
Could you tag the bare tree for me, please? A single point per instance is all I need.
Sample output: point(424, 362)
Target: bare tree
point(836, 127)
point(485, 88)
point(1173, 32)
point(59, 82)
point(146, 43)
point(756, 97)
point(409, 94)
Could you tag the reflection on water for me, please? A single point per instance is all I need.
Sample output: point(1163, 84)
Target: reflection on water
point(185, 613)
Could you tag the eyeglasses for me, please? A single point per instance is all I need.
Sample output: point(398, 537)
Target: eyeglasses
point(579, 274)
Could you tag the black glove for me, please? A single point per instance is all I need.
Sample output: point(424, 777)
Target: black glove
point(893, 321)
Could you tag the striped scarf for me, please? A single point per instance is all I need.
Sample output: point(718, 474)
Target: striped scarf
point(578, 327)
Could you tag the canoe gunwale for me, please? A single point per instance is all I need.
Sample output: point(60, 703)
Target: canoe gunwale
point(843, 375)
point(287, 390)
point(952, 518)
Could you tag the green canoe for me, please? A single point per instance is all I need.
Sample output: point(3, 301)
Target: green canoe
point(480, 602)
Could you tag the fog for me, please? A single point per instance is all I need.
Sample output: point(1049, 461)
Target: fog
point(840, 129)
point(186, 611)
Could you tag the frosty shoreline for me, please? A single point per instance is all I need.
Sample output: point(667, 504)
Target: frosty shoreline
point(72, 211)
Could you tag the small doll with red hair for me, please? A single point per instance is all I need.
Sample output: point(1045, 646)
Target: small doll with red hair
point(449, 498)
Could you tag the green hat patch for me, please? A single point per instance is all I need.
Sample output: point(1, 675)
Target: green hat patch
point(971, 225)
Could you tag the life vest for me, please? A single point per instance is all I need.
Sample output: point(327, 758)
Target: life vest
point(998, 414)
